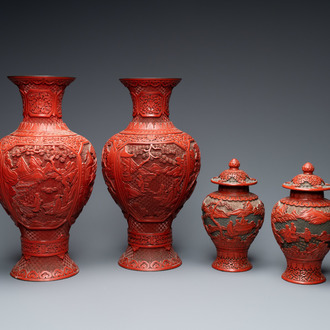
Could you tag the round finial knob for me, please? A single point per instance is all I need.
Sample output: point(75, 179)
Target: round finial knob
point(308, 168)
point(234, 163)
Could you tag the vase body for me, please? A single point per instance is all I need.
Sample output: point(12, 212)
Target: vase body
point(232, 217)
point(150, 169)
point(47, 174)
point(301, 226)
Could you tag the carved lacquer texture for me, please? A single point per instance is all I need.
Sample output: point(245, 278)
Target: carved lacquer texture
point(303, 233)
point(232, 222)
point(150, 169)
point(47, 174)
point(301, 226)
point(232, 217)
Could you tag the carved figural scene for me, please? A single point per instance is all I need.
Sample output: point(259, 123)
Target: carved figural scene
point(150, 169)
point(232, 217)
point(47, 174)
point(301, 226)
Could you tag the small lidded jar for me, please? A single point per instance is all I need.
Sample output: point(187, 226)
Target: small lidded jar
point(301, 226)
point(232, 217)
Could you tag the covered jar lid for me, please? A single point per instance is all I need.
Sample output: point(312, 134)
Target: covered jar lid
point(307, 181)
point(234, 176)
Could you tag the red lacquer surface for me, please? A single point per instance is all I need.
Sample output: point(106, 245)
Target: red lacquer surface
point(47, 174)
point(232, 217)
point(301, 226)
point(150, 169)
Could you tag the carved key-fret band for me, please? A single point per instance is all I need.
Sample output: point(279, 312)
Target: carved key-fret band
point(46, 248)
point(150, 240)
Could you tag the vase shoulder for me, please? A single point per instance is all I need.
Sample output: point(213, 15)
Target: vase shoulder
point(218, 209)
point(322, 202)
point(43, 128)
point(290, 209)
point(151, 136)
point(19, 137)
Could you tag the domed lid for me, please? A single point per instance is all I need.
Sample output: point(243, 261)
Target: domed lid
point(307, 181)
point(234, 176)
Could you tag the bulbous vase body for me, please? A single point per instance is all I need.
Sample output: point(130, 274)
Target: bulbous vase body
point(47, 174)
point(150, 169)
point(232, 217)
point(301, 226)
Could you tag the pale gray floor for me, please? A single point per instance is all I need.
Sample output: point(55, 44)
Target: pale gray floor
point(255, 86)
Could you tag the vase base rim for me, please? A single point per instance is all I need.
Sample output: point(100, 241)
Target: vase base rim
point(155, 269)
point(317, 281)
point(231, 263)
point(232, 270)
point(149, 259)
point(44, 269)
point(43, 280)
point(303, 271)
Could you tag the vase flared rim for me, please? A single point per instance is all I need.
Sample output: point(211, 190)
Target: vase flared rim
point(41, 77)
point(150, 78)
point(153, 82)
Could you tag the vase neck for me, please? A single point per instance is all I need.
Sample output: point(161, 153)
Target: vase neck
point(42, 97)
point(307, 195)
point(150, 96)
point(232, 190)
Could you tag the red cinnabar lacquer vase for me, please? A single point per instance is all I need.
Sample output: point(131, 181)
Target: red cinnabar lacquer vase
point(232, 217)
point(47, 173)
point(150, 169)
point(301, 226)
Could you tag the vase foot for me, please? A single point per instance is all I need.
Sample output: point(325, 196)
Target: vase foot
point(232, 261)
point(42, 269)
point(303, 272)
point(149, 259)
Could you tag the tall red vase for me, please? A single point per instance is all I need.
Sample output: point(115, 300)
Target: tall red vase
point(47, 174)
point(150, 169)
